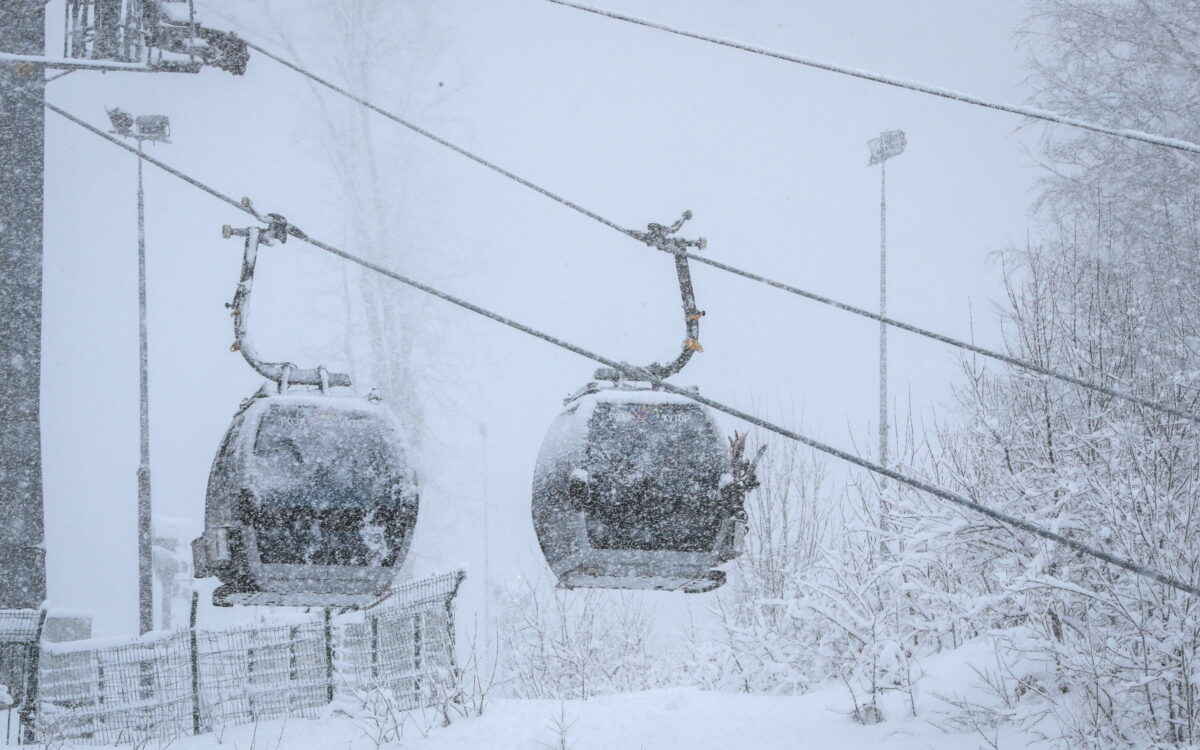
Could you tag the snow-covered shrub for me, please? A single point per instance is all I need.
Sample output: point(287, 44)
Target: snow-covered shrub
point(463, 690)
point(820, 592)
point(763, 645)
point(1121, 653)
point(579, 644)
point(1108, 294)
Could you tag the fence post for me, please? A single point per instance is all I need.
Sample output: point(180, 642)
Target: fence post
point(329, 654)
point(251, 693)
point(374, 622)
point(293, 661)
point(454, 673)
point(459, 577)
point(29, 706)
point(195, 662)
point(418, 617)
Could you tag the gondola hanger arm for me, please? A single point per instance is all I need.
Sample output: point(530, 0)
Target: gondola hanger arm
point(662, 237)
point(283, 374)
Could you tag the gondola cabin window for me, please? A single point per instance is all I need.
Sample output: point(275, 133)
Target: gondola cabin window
point(327, 492)
point(655, 474)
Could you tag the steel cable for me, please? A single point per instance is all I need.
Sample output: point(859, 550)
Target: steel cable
point(958, 96)
point(439, 140)
point(932, 335)
point(641, 374)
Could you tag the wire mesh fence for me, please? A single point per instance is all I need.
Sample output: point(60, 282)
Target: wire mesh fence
point(406, 653)
point(20, 631)
point(259, 673)
point(191, 681)
point(116, 693)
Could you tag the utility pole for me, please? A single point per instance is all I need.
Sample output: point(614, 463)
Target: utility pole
point(157, 129)
point(22, 152)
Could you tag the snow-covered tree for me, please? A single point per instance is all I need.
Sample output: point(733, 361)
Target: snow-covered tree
point(763, 645)
point(1108, 293)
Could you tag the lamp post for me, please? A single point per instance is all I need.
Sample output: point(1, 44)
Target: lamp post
point(156, 128)
point(889, 143)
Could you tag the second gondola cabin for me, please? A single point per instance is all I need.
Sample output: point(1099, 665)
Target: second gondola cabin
point(635, 488)
point(311, 502)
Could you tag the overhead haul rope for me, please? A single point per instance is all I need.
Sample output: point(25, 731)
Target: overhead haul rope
point(637, 373)
point(944, 93)
point(640, 236)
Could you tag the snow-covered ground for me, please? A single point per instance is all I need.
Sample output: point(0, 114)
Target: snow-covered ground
point(666, 719)
point(671, 718)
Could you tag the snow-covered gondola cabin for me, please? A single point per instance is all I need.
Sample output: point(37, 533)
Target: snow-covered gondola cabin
point(311, 502)
point(634, 488)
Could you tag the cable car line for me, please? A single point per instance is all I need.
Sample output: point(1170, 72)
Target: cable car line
point(240, 205)
point(441, 141)
point(944, 93)
point(641, 374)
point(932, 335)
point(958, 343)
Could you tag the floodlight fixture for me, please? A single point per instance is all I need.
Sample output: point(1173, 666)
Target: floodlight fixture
point(153, 128)
point(121, 120)
point(889, 143)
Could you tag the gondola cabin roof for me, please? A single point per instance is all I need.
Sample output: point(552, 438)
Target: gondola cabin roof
point(333, 400)
point(572, 426)
point(592, 394)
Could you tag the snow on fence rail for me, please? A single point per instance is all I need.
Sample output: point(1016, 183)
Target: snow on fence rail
point(190, 681)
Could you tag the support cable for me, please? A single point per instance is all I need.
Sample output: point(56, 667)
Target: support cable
point(636, 373)
point(944, 93)
point(974, 349)
point(441, 141)
point(957, 343)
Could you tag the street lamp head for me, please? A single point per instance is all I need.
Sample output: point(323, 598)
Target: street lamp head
point(889, 143)
point(121, 120)
point(153, 128)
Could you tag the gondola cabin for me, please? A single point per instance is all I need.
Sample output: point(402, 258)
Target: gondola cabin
point(311, 502)
point(634, 489)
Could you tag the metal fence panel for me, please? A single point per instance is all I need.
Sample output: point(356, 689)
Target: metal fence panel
point(116, 694)
point(166, 685)
point(258, 673)
point(406, 645)
point(18, 631)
